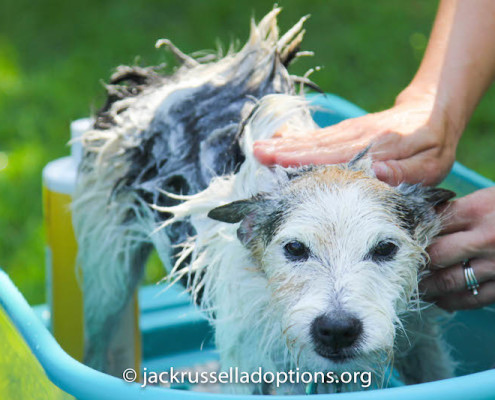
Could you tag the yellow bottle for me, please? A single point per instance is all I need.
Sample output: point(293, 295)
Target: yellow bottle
point(64, 294)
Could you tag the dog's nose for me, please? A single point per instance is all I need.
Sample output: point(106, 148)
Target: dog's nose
point(336, 331)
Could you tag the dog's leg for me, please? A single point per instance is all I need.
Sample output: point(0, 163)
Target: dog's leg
point(109, 311)
point(113, 246)
point(428, 357)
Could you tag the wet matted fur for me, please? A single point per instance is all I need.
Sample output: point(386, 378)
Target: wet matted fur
point(169, 165)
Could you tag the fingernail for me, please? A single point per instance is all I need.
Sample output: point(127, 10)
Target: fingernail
point(267, 149)
point(382, 171)
point(258, 146)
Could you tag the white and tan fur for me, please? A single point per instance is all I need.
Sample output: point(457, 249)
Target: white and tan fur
point(261, 303)
point(262, 306)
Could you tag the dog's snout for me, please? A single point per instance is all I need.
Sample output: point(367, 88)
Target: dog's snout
point(336, 332)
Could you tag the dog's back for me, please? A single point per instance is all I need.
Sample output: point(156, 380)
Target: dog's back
point(156, 135)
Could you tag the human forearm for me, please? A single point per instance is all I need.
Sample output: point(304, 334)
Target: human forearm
point(459, 62)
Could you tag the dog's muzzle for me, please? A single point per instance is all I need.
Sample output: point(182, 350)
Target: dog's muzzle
point(334, 336)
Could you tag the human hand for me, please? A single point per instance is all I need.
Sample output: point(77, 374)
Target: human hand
point(469, 234)
point(412, 142)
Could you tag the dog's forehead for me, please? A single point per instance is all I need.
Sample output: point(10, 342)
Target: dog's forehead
point(339, 180)
point(332, 176)
point(341, 199)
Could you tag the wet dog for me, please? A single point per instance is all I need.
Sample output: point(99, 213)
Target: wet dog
point(312, 267)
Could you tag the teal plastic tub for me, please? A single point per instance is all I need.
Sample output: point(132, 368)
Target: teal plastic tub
point(176, 335)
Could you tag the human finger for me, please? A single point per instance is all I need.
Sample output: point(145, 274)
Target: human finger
point(288, 145)
point(319, 155)
point(452, 280)
point(467, 300)
point(282, 142)
point(455, 247)
point(420, 167)
point(464, 212)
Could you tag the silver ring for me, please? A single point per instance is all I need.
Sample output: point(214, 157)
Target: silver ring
point(471, 281)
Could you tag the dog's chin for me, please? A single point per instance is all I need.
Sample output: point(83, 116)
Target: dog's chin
point(340, 357)
point(335, 361)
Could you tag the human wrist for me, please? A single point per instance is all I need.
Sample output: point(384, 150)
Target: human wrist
point(445, 113)
point(417, 93)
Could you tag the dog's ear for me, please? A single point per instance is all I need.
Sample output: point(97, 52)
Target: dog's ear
point(418, 209)
point(362, 162)
point(437, 196)
point(234, 212)
point(425, 196)
point(259, 219)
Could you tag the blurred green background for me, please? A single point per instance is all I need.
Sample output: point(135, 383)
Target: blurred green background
point(54, 55)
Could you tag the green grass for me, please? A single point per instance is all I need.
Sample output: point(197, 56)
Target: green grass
point(54, 55)
point(21, 375)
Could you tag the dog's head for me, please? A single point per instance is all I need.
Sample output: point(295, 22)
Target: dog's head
point(341, 252)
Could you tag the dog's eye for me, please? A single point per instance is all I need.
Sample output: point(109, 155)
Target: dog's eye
point(384, 251)
point(296, 251)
